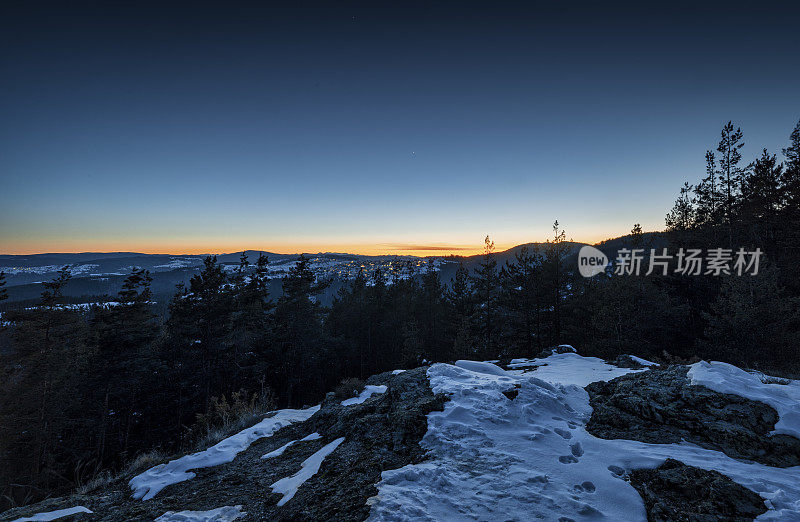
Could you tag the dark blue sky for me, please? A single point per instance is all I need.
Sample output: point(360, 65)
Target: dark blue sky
point(370, 127)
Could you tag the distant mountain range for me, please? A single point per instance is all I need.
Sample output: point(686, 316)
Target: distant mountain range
point(101, 273)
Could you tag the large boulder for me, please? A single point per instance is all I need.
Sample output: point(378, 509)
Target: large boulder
point(561, 348)
point(660, 406)
point(675, 491)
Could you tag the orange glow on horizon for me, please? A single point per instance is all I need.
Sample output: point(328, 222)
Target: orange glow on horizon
point(194, 247)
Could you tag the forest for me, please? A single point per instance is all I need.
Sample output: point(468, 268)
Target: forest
point(86, 392)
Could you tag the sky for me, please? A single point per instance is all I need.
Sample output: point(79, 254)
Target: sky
point(380, 127)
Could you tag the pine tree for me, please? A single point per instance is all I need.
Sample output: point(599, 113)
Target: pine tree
point(707, 195)
point(433, 312)
point(45, 418)
point(682, 217)
point(555, 277)
point(789, 219)
point(761, 200)
point(486, 288)
point(792, 175)
point(461, 302)
point(121, 367)
point(521, 282)
point(745, 309)
point(730, 172)
point(3, 291)
point(299, 334)
point(53, 290)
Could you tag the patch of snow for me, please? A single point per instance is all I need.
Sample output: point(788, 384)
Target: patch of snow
point(531, 458)
point(396, 372)
point(178, 262)
point(288, 486)
point(643, 362)
point(278, 452)
point(147, 485)
point(481, 367)
point(726, 378)
point(54, 515)
point(369, 390)
point(223, 514)
point(571, 368)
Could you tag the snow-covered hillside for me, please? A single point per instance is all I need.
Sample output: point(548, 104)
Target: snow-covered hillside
point(477, 441)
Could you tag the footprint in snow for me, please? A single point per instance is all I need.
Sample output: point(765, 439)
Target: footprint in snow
point(567, 459)
point(564, 433)
point(577, 449)
point(587, 487)
point(616, 470)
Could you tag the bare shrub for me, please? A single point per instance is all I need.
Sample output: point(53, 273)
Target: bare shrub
point(230, 415)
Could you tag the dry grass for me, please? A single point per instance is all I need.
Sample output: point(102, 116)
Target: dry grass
point(144, 461)
point(102, 479)
point(226, 417)
point(229, 416)
point(348, 388)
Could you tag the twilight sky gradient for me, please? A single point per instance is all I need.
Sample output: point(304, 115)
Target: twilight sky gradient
point(396, 128)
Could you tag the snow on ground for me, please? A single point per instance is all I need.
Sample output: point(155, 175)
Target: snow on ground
point(726, 378)
point(288, 486)
point(223, 514)
point(571, 368)
point(643, 362)
point(278, 452)
point(55, 515)
point(397, 372)
point(147, 485)
point(498, 459)
point(369, 390)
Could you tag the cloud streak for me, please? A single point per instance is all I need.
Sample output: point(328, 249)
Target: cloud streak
point(411, 246)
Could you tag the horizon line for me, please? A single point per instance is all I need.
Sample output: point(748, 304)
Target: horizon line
point(392, 249)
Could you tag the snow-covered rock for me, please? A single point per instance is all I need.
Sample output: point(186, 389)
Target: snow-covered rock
point(556, 437)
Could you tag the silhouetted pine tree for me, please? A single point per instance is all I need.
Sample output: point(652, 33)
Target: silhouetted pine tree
point(462, 305)
point(298, 331)
point(121, 368)
point(789, 231)
point(682, 218)
point(46, 432)
point(761, 201)
point(730, 173)
point(746, 308)
point(249, 343)
point(486, 289)
point(432, 308)
point(707, 196)
point(521, 298)
point(3, 291)
point(555, 278)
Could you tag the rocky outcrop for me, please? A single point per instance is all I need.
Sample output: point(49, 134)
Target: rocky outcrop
point(561, 348)
point(675, 491)
point(660, 406)
point(626, 361)
point(381, 433)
